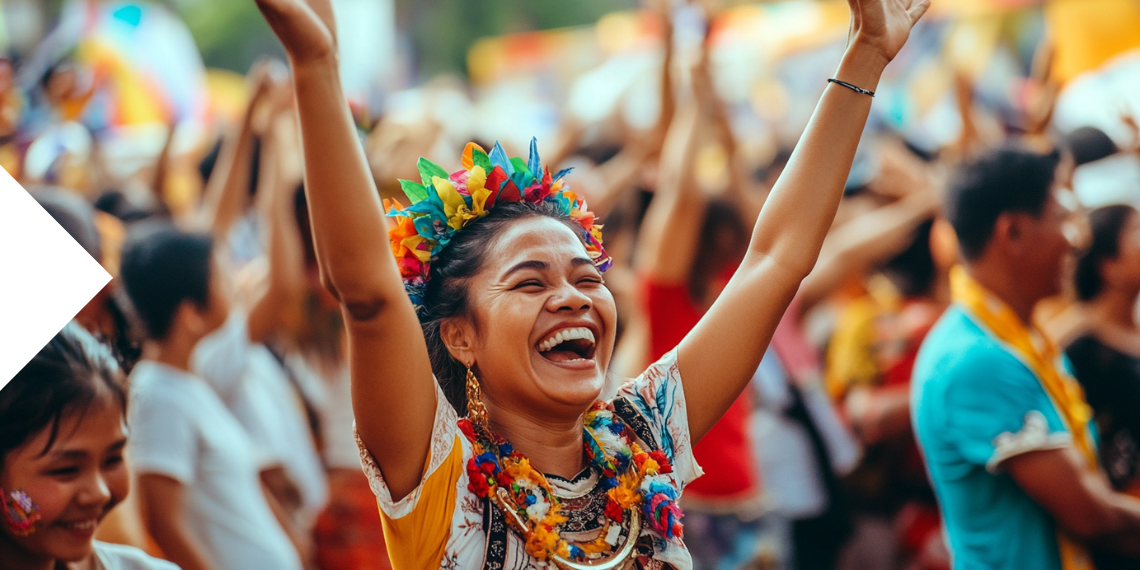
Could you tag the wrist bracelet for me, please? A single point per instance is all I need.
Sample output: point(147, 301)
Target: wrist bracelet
point(851, 87)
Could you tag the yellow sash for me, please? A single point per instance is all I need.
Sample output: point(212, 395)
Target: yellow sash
point(1043, 358)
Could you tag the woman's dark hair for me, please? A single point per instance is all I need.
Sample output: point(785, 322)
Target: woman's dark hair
point(1107, 224)
point(77, 218)
point(913, 270)
point(723, 242)
point(446, 295)
point(1088, 144)
point(72, 372)
point(163, 266)
point(74, 214)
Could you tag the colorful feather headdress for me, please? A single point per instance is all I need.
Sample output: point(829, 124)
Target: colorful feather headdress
point(445, 203)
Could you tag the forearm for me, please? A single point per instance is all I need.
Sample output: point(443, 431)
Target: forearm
point(799, 211)
point(619, 174)
point(669, 234)
point(861, 243)
point(347, 218)
point(288, 523)
point(721, 353)
point(177, 545)
point(283, 251)
point(1120, 532)
point(226, 188)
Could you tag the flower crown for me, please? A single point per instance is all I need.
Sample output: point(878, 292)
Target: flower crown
point(444, 204)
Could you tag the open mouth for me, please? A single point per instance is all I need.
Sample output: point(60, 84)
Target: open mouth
point(568, 345)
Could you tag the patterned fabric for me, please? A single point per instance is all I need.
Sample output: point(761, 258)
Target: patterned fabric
point(441, 524)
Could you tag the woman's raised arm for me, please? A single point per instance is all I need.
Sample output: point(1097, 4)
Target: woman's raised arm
point(721, 354)
point(392, 391)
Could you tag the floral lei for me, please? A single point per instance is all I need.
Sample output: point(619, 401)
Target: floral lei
point(445, 203)
point(630, 477)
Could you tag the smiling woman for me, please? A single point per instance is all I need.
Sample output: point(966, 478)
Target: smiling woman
point(62, 434)
point(496, 291)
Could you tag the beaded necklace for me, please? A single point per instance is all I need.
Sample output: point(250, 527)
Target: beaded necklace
point(634, 483)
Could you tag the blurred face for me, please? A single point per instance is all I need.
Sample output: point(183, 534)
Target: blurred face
point(75, 484)
point(206, 319)
point(1123, 272)
point(1047, 242)
point(542, 328)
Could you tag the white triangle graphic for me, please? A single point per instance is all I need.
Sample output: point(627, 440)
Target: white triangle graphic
point(45, 277)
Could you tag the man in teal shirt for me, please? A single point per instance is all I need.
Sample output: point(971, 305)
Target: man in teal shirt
point(997, 444)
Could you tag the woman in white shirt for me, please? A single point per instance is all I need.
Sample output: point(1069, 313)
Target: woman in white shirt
point(62, 436)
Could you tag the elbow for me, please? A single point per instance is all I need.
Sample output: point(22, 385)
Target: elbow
point(361, 300)
point(359, 305)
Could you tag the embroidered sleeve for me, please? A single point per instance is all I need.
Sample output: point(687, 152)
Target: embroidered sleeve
point(661, 418)
point(443, 438)
point(1033, 436)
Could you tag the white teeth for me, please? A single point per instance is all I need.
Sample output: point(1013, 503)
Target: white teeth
point(565, 335)
point(85, 525)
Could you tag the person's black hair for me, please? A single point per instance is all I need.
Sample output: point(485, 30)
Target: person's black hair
point(1007, 179)
point(115, 203)
point(1089, 144)
point(1107, 223)
point(722, 244)
point(447, 294)
point(162, 267)
point(74, 215)
point(77, 218)
point(69, 374)
point(913, 271)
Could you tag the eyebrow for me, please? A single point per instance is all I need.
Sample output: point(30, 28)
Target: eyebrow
point(80, 454)
point(532, 264)
point(543, 266)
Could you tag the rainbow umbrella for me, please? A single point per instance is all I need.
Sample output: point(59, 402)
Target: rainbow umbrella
point(144, 63)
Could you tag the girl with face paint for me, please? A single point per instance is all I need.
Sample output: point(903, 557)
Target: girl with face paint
point(62, 434)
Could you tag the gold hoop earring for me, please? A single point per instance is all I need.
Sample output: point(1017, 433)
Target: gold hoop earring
point(476, 411)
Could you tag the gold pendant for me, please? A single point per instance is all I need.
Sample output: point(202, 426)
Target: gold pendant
point(621, 560)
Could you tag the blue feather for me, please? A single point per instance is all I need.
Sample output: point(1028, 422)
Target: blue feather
point(499, 158)
point(535, 164)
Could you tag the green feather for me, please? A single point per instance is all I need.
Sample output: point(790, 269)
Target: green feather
point(415, 192)
point(520, 165)
point(481, 158)
point(429, 169)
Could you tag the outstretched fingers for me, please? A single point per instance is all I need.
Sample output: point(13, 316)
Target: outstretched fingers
point(916, 9)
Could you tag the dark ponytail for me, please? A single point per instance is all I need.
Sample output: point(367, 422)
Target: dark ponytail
point(1107, 223)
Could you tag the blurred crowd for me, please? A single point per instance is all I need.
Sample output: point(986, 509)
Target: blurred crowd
point(816, 466)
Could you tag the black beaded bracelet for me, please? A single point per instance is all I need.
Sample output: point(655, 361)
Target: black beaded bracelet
point(851, 87)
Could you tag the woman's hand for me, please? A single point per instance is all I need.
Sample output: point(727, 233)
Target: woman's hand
point(305, 27)
point(884, 25)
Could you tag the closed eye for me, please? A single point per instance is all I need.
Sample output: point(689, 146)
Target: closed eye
point(528, 284)
point(64, 472)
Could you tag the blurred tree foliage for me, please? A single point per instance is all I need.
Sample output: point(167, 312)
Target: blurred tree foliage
point(231, 33)
point(442, 30)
